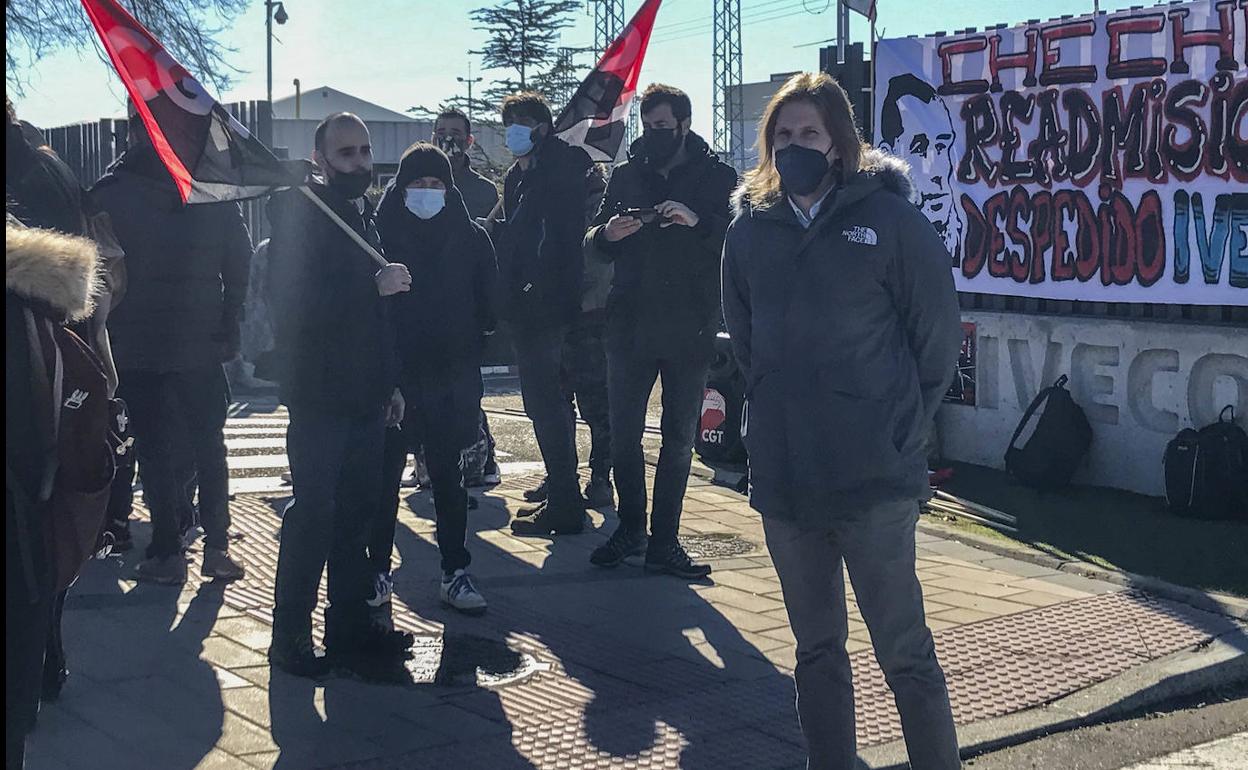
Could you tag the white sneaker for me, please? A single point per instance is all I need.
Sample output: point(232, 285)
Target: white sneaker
point(383, 589)
point(458, 592)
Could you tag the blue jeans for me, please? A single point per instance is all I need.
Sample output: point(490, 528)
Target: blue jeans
point(877, 547)
point(631, 379)
point(336, 471)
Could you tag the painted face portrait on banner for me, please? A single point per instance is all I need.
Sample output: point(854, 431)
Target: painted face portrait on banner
point(915, 125)
point(1099, 158)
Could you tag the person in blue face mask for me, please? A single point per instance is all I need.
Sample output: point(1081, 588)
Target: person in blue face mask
point(441, 326)
point(550, 194)
point(844, 320)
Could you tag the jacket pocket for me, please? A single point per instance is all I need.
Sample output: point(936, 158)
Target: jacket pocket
point(851, 436)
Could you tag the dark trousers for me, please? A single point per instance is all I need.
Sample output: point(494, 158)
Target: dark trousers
point(632, 378)
point(335, 466)
point(539, 357)
point(450, 499)
point(585, 378)
point(27, 620)
point(176, 415)
point(876, 545)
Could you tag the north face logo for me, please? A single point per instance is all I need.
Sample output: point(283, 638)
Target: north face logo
point(76, 399)
point(860, 234)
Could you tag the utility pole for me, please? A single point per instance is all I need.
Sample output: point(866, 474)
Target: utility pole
point(470, 80)
point(842, 30)
point(728, 110)
point(273, 11)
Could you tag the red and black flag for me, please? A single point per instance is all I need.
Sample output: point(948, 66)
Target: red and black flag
point(597, 116)
point(209, 154)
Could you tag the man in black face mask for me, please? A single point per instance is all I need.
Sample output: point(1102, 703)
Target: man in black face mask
point(338, 373)
point(662, 223)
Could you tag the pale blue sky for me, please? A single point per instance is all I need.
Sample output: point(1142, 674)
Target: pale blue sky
point(398, 53)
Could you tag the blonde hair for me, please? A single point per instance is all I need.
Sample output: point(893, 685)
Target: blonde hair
point(762, 183)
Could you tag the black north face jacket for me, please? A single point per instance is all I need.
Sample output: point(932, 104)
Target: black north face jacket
point(847, 347)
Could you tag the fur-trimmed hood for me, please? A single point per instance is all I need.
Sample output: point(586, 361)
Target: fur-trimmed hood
point(878, 169)
point(51, 268)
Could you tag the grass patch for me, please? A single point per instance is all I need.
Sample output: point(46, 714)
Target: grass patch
point(1112, 528)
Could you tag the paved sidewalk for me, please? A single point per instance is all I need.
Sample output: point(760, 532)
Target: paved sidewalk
point(572, 666)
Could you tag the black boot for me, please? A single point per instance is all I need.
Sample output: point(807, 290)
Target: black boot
point(296, 655)
point(672, 559)
point(538, 494)
point(598, 492)
point(626, 541)
point(547, 520)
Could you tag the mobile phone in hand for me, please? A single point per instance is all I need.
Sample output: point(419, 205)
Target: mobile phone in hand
point(645, 215)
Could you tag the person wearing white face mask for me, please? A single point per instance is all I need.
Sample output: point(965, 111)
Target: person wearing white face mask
point(441, 325)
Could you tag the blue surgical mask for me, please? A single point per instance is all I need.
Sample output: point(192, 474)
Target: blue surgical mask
point(425, 203)
point(519, 139)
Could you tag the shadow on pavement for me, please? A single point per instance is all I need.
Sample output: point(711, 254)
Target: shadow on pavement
point(633, 666)
point(138, 690)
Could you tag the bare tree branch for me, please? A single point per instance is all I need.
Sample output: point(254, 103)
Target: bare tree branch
point(187, 28)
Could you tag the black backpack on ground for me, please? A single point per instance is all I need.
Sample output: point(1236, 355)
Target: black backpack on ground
point(1206, 471)
point(1057, 445)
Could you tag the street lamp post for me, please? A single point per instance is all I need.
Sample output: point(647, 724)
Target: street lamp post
point(470, 80)
point(273, 11)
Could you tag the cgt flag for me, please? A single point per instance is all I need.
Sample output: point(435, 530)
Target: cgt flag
point(595, 118)
point(209, 154)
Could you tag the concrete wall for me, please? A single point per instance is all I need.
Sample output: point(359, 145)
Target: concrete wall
point(1139, 382)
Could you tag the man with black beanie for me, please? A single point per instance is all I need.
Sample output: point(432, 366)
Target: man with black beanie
point(441, 326)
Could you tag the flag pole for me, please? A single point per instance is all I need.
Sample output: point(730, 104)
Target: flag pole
point(346, 228)
point(874, 128)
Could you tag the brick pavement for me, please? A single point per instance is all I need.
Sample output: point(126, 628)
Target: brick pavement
point(571, 667)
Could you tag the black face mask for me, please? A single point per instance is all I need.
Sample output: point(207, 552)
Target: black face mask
point(801, 169)
point(660, 145)
point(352, 185)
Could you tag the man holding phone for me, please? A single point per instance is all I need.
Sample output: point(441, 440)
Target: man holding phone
point(662, 223)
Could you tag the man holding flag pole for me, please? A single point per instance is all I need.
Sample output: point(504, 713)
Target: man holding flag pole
point(335, 343)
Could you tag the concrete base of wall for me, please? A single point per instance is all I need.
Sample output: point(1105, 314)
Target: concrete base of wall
point(1139, 382)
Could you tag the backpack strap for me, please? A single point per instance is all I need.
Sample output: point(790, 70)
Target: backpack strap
point(53, 386)
point(1040, 398)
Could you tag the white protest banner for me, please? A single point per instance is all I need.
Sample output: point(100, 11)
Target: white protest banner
point(1099, 158)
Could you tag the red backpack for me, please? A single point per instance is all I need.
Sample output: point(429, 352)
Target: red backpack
point(83, 444)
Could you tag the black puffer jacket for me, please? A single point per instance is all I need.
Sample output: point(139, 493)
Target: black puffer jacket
point(442, 322)
point(665, 296)
point(334, 339)
point(539, 240)
point(846, 347)
point(186, 271)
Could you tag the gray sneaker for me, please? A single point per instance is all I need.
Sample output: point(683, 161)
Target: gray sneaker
point(459, 593)
point(165, 571)
point(219, 566)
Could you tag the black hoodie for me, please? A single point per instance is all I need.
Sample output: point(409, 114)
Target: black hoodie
point(441, 323)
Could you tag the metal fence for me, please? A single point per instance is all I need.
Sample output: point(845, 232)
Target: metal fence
point(89, 149)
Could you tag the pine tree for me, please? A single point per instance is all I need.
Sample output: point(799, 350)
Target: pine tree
point(523, 40)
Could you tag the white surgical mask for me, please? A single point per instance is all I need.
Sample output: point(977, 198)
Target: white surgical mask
point(519, 139)
point(425, 203)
